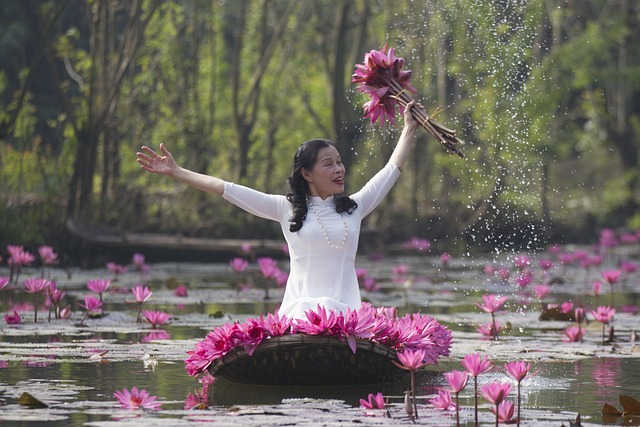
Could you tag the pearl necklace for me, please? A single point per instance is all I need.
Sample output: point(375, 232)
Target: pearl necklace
point(324, 230)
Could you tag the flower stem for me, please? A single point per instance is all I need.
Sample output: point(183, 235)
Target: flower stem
point(457, 411)
point(413, 393)
point(475, 398)
point(518, 419)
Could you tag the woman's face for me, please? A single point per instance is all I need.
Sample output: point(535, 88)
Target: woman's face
point(326, 178)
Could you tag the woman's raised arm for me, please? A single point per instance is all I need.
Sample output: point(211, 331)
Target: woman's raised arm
point(165, 165)
point(403, 147)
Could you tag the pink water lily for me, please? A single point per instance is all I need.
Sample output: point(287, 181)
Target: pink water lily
point(495, 392)
point(156, 318)
point(457, 382)
point(504, 411)
point(518, 370)
point(319, 321)
point(135, 399)
point(98, 286)
point(573, 334)
point(490, 304)
point(13, 319)
point(476, 365)
point(412, 360)
point(238, 264)
point(381, 77)
point(4, 281)
point(604, 315)
point(55, 297)
point(18, 258)
point(141, 294)
point(374, 401)
point(36, 287)
point(92, 305)
point(443, 401)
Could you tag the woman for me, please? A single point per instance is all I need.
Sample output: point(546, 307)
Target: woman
point(321, 228)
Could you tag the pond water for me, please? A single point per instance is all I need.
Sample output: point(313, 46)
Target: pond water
point(52, 360)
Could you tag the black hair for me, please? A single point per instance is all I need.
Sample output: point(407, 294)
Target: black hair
point(305, 158)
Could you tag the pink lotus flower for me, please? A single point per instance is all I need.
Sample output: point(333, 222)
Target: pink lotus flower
point(504, 412)
point(116, 269)
point(98, 286)
point(518, 370)
point(492, 303)
point(36, 287)
point(545, 264)
point(47, 255)
point(573, 334)
point(489, 330)
point(445, 259)
point(92, 305)
point(443, 401)
point(18, 258)
point(411, 360)
point(603, 315)
point(417, 244)
point(142, 294)
point(181, 291)
point(495, 391)
point(55, 296)
point(156, 318)
point(238, 264)
point(522, 262)
point(457, 380)
point(4, 281)
point(374, 401)
point(475, 365)
point(135, 399)
point(13, 319)
point(381, 77)
point(319, 322)
point(611, 276)
point(541, 291)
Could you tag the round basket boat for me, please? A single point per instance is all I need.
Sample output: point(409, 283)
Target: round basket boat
point(309, 360)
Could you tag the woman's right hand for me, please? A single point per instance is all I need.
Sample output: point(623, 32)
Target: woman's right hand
point(155, 163)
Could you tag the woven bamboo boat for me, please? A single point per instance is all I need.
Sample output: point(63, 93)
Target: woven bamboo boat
point(309, 360)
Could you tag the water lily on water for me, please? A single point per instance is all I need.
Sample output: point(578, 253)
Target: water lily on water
point(495, 392)
point(92, 305)
point(141, 294)
point(491, 303)
point(604, 315)
point(4, 281)
point(443, 401)
point(13, 319)
point(611, 277)
point(374, 401)
point(573, 334)
point(518, 370)
point(476, 365)
point(134, 399)
point(36, 287)
point(457, 381)
point(412, 360)
point(98, 286)
point(504, 412)
point(116, 269)
point(54, 296)
point(18, 258)
point(156, 318)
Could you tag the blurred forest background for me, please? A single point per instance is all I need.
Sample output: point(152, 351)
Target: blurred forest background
point(546, 93)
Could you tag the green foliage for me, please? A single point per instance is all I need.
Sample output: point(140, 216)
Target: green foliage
point(530, 85)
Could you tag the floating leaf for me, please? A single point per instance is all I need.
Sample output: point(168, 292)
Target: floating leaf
point(610, 410)
point(630, 405)
point(30, 401)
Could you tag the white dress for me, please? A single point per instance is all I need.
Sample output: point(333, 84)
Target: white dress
point(320, 273)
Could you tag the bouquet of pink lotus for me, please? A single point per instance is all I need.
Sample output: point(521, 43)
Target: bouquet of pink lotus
point(382, 78)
